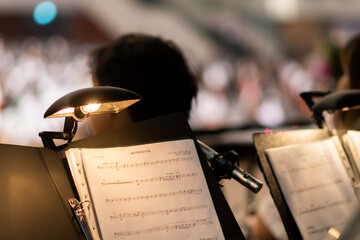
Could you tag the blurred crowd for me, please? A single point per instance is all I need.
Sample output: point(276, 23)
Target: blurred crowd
point(247, 91)
point(253, 92)
point(34, 73)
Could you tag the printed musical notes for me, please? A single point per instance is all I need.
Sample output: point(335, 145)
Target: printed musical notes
point(167, 177)
point(151, 191)
point(155, 212)
point(155, 195)
point(167, 227)
point(116, 165)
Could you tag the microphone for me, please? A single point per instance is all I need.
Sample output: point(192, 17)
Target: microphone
point(223, 166)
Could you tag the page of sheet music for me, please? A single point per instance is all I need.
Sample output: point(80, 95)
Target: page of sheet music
point(151, 191)
point(315, 185)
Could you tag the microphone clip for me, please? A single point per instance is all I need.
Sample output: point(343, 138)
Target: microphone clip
point(223, 166)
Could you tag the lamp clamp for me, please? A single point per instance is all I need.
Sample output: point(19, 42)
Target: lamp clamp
point(70, 128)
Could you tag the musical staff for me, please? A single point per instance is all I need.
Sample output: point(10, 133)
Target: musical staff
point(317, 186)
point(156, 195)
point(181, 153)
point(312, 166)
point(325, 206)
point(121, 216)
point(166, 227)
point(117, 166)
point(168, 177)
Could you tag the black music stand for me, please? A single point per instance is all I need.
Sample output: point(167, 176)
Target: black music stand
point(37, 184)
point(263, 141)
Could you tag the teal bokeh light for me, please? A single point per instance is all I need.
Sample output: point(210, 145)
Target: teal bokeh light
point(45, 12)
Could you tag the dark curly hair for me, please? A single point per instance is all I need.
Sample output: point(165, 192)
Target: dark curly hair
point(150, 66)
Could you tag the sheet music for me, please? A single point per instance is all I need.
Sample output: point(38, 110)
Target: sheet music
point(315, 185)
point(151, 191)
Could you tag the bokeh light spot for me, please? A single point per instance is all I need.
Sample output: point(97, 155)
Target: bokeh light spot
point(45, 12)
point(268, 130)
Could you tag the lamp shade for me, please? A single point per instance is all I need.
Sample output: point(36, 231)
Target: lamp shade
point(340, 100)
point(84, 102)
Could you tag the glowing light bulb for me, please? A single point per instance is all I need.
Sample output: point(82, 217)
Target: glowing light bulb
point(90, 108)
point(66, 111)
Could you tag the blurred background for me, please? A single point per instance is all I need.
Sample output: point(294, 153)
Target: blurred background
point(252, 58)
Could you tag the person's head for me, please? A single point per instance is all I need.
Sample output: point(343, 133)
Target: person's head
point(350, 62)
point(150, 66)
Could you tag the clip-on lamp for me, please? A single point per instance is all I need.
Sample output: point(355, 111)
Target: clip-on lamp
point(341, 100)
point(78, 105)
